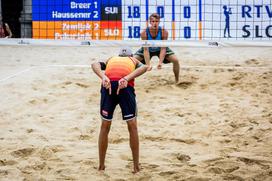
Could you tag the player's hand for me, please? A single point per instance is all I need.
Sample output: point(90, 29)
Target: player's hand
point(159, 66)
point(106, 83)
point(122, 83)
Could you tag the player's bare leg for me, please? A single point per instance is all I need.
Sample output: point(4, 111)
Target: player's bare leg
point(134, 143)
point(176, 67)
point(103, 143)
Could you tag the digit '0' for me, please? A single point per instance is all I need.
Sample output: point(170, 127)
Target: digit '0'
point(160, 11)
point(187, 32)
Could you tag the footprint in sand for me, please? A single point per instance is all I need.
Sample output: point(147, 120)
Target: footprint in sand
point(88, 162)
point(84, 137)
point(183, 158)
point(218, 170)
point(46, 153)
point(30, 130)
point(38, 101)
point(186, 141)
point(218, 166)
point(38, 166)
point(252, 62)
point(187, 82)
point(64, 174)
point(232, 84)
point(184, 84)
point(231, 70)
point(250, 161)
point(7, 162)
point(82, 85)
point(3, 172)
point(232, 177)
point(25, 152)
point(67, 83)
point(57, 148)
point(204, 86)
point(168, 173)
point(218, 70)
point(266, 75)
point(149, 166)
point(182, 114)
point(154, 138)
point(239, 76)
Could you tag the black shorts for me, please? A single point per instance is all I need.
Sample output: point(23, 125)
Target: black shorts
point(169, 52)
point(126, 99)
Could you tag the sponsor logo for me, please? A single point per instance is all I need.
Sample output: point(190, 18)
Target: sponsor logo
point(105, 113)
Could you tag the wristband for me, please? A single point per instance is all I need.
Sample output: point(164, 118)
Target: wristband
point(125, 79)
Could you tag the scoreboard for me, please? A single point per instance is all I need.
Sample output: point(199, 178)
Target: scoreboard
point(178, 17)
point(125, 19)
point(77, 19)
point(109, 19)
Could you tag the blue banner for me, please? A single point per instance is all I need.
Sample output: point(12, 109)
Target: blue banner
point(67, 10)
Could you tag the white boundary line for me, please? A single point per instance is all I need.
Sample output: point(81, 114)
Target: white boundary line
point(166, 66)
point(80, 66)
point(16, 74)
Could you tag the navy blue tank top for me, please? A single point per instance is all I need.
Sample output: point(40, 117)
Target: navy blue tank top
point(158, 37)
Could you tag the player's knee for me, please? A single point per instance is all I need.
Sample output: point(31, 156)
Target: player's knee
point(175, 62)
point(132, 125)
point(173, 59)
point(138, 57)
point(105, 126)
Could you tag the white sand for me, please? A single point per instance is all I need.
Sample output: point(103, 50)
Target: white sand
point(215, 125)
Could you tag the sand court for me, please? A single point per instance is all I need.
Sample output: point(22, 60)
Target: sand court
point(216, 124)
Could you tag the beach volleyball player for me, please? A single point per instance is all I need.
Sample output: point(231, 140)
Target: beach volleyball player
point(165, 54)
point(118, 88)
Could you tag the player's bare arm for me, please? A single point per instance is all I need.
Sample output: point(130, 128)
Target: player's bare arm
point(97, 68)
point(146, 52)
point(163, 49)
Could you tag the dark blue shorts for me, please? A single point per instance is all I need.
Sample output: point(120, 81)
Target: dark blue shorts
point(169, 52)
point(126, 100)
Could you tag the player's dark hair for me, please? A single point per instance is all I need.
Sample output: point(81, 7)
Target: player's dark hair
point(155, 15)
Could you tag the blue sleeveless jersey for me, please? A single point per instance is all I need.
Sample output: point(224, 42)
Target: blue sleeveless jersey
point(158, 37)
